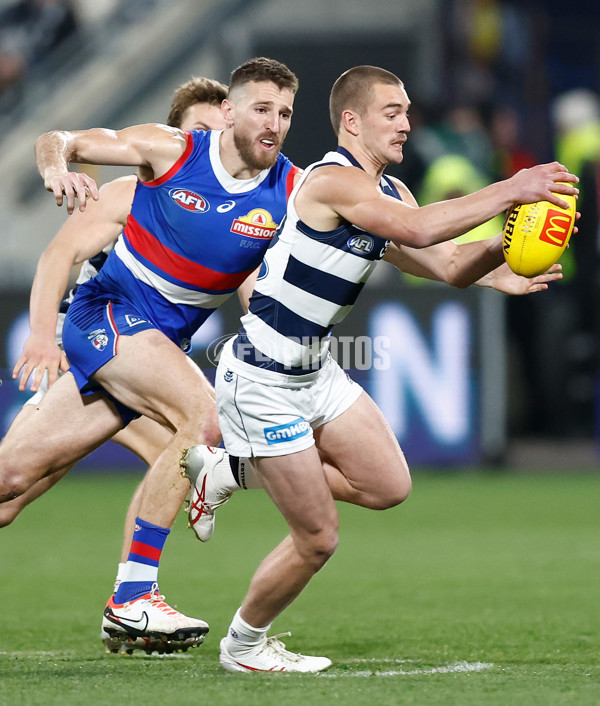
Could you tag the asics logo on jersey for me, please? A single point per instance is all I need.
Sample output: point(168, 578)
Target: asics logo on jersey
point(257, 224)
point(189, 200)
point(287, 432)
point(224, 207)
point(361, 244)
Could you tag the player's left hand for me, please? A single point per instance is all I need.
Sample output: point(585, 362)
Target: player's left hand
point(505, 280)
point(40, 354)
point(73, 186)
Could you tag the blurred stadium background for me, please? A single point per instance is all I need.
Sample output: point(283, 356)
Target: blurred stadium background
point(471, 377)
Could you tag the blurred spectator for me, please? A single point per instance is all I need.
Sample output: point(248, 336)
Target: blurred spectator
point(509, 154)
point(30, 30)
point(460, 131)
point(576, 117)
point(453, 175)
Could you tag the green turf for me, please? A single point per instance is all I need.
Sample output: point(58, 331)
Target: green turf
point(497, 573)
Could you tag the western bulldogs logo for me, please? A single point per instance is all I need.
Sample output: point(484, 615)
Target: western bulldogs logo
point(189, 200)
point(99, 339)
point(361, 244)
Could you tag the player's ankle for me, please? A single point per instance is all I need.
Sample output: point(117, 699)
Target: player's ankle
point(242, 637)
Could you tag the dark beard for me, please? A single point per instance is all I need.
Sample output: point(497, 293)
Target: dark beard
point(254, 161)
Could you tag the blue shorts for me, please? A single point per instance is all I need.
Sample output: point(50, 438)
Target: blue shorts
point(91, 333)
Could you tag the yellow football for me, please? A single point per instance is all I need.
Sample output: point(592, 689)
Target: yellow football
point(535, 235)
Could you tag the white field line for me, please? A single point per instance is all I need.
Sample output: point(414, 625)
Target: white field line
point(461, 667)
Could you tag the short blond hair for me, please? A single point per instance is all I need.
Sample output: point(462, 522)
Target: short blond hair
point(353, 90)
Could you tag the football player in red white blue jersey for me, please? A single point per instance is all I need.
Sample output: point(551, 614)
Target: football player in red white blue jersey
point(127, 329)
point(86, 238)
point(168, 249)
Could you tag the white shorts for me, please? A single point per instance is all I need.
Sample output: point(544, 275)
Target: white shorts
point(262, 413)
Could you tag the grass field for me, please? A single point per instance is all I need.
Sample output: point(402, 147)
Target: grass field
point(482, 589)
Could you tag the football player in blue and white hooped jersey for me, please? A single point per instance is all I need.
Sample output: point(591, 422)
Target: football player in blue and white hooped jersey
point(206, 206)
point(313, 435)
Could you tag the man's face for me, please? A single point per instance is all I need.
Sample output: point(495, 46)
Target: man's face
point(261, 114)
point(203, 116)
point(385, 125)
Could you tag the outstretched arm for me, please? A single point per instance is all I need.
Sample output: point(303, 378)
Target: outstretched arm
point(461, 265)
point(83, 235)
point(332, 194)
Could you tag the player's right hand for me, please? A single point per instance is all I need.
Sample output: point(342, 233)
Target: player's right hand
point(39, 354)
point(544, 182)
point(72, 185)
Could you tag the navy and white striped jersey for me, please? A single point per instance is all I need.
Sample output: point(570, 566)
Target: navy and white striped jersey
point(308, 282)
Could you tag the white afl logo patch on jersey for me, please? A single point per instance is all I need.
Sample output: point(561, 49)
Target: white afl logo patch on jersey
point(189, 200)
point(361, 244)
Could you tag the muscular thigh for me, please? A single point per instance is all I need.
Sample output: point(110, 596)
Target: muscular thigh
point(63, 428)
point(297, 485)
point(362, 446)
point(151, 375)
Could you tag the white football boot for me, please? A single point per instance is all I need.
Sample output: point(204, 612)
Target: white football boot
point(198, 464)
point(147, 621)
point(269, 656)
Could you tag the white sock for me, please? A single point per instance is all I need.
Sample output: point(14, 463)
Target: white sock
point(242, 636)
point(119, 577)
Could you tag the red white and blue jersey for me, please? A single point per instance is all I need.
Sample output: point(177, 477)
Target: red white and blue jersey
point(194, 235)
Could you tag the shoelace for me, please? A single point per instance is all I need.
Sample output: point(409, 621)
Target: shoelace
point(278, 647)
point(158, 601)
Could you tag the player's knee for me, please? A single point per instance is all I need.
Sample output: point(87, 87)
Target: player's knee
point(320, 548)
point(393, 495)
point(211, 432)
point(12, 484)
point(201, 426)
